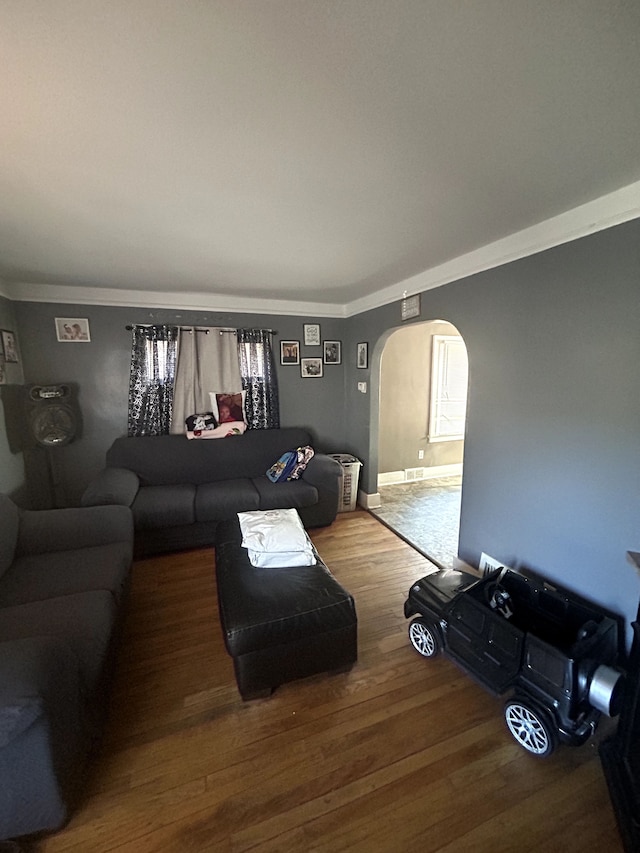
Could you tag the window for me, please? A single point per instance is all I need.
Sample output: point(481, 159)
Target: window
point(153, 361)
point(449, 380)
point(155, 366)
point(253, 353)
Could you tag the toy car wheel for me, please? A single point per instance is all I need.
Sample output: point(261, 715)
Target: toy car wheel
point(424, 638)
point(531, 728)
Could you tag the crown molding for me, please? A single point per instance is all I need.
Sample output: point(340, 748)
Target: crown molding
point(612, 209)
point(66, 294)
point(605, 212)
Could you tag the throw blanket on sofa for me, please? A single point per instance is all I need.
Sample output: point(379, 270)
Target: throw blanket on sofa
point(221, 431)
point(275, 538)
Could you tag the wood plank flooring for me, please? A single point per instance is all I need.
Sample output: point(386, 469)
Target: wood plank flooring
point(400, 753)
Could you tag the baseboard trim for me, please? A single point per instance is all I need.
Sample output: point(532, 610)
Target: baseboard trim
point(367, 501)
point(390, 478)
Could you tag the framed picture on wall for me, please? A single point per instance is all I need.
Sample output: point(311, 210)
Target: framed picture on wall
point(72, 329)
point(311, 368)
point(289, 352)
point(332, 352)
point(362, 358)
point(9, 346)
point(311, 334)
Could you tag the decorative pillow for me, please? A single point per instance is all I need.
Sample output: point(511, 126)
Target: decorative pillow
point(228, 407)
point(281, 470)
point(305, 454)
point(198, 424)
point(290, 465)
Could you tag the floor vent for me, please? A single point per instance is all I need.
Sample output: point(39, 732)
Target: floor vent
point(414, 473)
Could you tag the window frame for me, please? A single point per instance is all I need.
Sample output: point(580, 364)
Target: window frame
point(442, 346)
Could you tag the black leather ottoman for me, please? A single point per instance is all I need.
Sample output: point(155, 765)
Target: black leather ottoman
point(280, 624)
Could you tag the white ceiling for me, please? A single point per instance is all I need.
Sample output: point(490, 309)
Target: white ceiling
point(322, 152)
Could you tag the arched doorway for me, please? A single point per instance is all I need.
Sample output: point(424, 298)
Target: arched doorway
point(422, 408)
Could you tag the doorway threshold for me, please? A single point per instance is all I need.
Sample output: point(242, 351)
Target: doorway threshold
point(426, 515)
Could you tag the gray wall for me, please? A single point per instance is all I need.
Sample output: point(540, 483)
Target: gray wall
point(405, 391)
point(552, 451)
point(100, 370)
point(12, 477)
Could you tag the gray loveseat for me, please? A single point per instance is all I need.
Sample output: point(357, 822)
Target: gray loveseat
point(179, 489)
point(64, 575)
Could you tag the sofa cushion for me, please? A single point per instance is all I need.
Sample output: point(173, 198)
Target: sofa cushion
point(164, 506)
point(43, 735)
point(113, 486)
point(39, 576)
point(31, 671)
point(219, 501)
point(293, 494)
point(173, 459)
point(9, 514)
point(47, 530)
point(85, 621)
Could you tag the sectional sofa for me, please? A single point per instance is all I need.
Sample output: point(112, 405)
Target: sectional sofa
point(64, 576)
point(180, 489)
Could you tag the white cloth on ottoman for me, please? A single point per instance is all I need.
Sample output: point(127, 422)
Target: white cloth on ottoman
point(275, 538)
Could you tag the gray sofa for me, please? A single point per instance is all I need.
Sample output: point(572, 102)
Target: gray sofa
point(179, 489)
point(64, 576)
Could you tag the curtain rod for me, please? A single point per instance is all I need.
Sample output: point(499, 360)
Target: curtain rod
point(206, 331)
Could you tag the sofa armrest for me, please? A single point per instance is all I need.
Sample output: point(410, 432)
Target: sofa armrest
point(323, 472)
point(112, 486)
point(47, 530)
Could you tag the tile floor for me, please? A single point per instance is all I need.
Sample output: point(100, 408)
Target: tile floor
point(425, 513)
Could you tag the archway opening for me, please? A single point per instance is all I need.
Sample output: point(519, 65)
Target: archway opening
point(423, 380)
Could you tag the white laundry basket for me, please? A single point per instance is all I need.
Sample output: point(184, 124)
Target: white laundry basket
point(350, 479)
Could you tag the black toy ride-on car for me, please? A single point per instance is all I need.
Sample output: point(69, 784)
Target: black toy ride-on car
point(556, 656)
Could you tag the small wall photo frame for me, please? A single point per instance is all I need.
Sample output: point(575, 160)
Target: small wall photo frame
point(72, 330)
point(9, 346)
point(311, 334)
point(332, 352)
point(289, 352)
point(311, 368)
point(362, 357)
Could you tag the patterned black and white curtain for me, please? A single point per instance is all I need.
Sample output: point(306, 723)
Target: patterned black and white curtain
point(259, 379)
point(153, 365)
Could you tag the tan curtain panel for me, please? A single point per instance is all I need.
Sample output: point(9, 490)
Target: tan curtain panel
point(207, 361)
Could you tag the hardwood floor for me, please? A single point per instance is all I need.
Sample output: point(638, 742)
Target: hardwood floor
point(399, 753)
